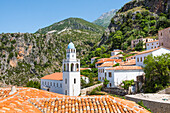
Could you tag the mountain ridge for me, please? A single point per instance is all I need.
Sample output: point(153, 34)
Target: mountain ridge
point(71, 23)
point(105, 18)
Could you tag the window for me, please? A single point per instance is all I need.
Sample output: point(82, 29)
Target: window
point(54, 84)
point(65, 81)
point(60, 85)
point(45, 83)
point(68, 56)
point(157, 43)
point(141, 59)
point(110, 74)
point(42, 83)
point(57, 84)
point(72, 55)
point(162, 44)
point(161, 34)
point(137, 59)
point(155, 46)
point(103, 78)
point(152, 47)
point(50, 83)
point(148, 44)
point(100, 78)
point(65, 92)
point(103, 70)
point(152, 43)
point(110, 84)
point(74, 81)
point(105, 75)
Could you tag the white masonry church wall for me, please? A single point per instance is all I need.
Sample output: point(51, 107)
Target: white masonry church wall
point(55, 86)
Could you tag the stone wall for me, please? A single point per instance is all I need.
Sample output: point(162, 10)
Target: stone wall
point(155, 106)
point(165, 91)
point(115, 91)
point(164, 37)
point(89, 89)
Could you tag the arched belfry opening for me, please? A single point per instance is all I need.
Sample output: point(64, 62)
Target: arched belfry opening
point(77, 67)
point(67, 67)
point(64, 67)
point(72, 67)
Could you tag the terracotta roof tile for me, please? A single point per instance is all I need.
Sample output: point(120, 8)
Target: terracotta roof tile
point(109, 64)
point(37, 101)
point(107, 60)
point(147, 51)
point(117, 51)
point(125, 68)
point(85, 69)
point(54, 76)
point(128, 63)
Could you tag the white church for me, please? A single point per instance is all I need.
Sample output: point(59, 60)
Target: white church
point(67, 82)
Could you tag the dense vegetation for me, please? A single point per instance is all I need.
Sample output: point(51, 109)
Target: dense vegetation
point(134, 24)
point(71, 23)
point(157, 73)
point(26, 56)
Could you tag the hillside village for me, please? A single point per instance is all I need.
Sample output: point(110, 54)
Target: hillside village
point(83, 67)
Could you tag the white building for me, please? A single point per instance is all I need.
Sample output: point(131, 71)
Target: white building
point(115, 52)
point(152, 44)
point(93, 59)
point(102, 70)
point(140, 57)
point(117, 74)
point(120, 56)
point(68, 82)
point(86, 79)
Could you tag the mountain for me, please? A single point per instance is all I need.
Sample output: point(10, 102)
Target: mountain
point(27, 56)
point(71, 23)
point(136, 19)
point(104, 19)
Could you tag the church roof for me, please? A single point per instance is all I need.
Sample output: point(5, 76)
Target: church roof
point(54, 76)
point(71, 46)
point(28, 100)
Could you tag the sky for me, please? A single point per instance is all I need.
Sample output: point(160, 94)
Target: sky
point(31, 15)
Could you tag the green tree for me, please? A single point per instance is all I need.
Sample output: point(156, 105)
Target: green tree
point(157, 72)
point(105, 82)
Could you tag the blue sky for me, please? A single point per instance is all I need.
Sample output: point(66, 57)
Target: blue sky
point(30, 15)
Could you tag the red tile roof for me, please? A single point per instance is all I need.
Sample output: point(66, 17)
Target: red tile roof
point(107, 60)
point(30, 100)
point(125, 68)
point(54, 76)
point(148, 51)
point(120, 55)
point(117, 51)
point(129, 62)
point(109, 64)
point(81, 69)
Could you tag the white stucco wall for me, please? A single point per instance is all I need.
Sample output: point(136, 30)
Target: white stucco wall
point(120, 75)
point(154, 53)
point(52, 88)
point(152, 45)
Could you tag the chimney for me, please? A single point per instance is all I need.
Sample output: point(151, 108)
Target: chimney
point(13, 90)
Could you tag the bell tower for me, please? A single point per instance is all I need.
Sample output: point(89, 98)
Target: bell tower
point(71, 72)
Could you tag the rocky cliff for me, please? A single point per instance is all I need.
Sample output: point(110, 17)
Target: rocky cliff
point(136, 19)
point(26, 56)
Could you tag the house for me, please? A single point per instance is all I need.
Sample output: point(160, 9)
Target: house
point(106, 60)
point(131, 62)
point(86, 79)
point(120, 56)
point(115, 52)
point(164, 37)
point(140, 57)
point(67, 82)
point(152, 44)
point(93, 59)
point(31, 100)
point(117, 74)
point(82, 69)
point(102, 70)
point(136, 41)
point(130, 57)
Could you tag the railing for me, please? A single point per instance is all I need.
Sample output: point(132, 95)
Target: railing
point(66, 60)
